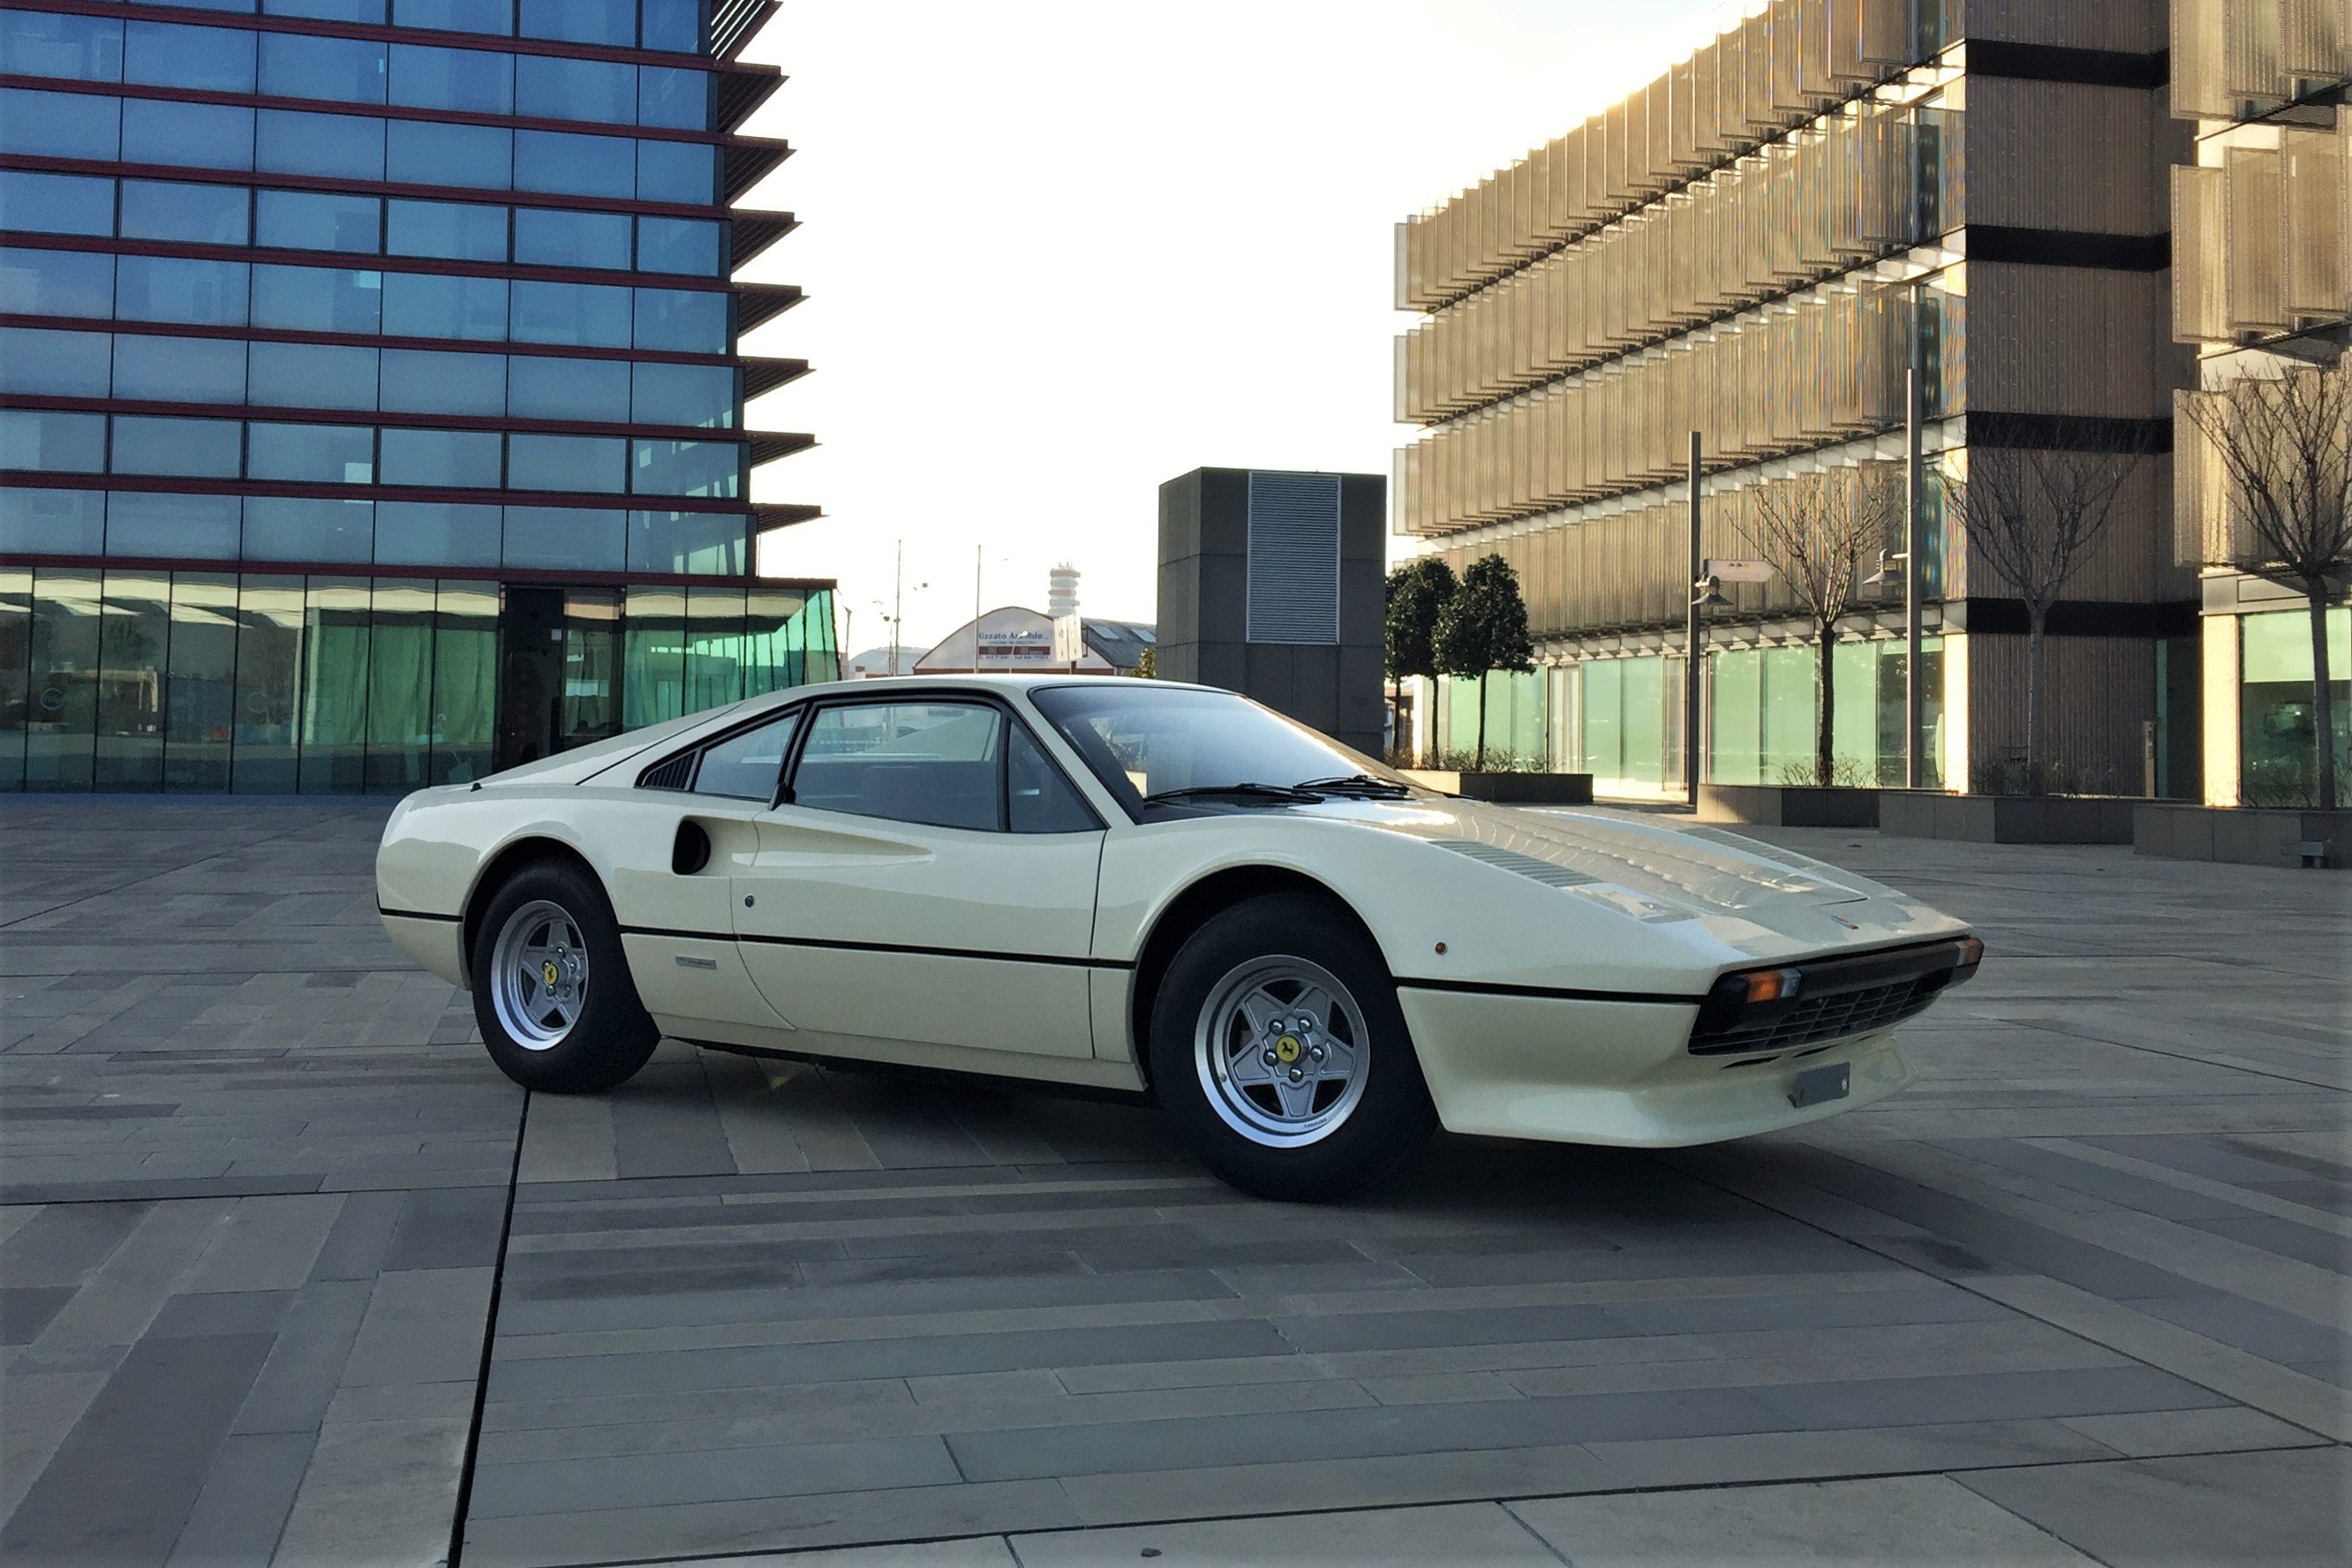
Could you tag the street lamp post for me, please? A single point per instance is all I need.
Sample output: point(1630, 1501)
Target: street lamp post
point(1914, 773)
point(1696, 578)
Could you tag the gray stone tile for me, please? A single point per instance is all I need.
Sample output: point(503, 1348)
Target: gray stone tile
point(1479, 1533)
point(2287, 1508)
point(1988, 1396)
point(246, 1495)
point(376, 1491)
point(646, 1480)
point(26, 1310)
point(456, 1228)
point(298, 1382)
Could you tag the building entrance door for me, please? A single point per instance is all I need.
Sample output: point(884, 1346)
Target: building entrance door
point(531, 674)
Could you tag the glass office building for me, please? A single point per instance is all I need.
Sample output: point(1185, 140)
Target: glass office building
point(372, 403)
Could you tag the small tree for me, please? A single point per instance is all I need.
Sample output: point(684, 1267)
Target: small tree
point(2283, 444)
point(1147, 664)
point(1483, 627)
point(1417, 592)
point(2033, 516)
point(1816, 530)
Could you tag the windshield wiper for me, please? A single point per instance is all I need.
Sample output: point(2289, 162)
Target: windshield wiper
point(1249, 791)
point(1356, 783)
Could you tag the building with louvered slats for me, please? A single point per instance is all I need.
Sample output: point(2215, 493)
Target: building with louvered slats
point(1765, 244)
point(2262, 282)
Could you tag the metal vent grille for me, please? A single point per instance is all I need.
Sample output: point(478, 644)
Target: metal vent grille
point(676, 773)
point(1511, 860)
point(1834, 1017)
point(1294, 559)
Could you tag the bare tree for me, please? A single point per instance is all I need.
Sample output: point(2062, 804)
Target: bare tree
point(2283, 444)
point(2033, 516)
point(1816, 530)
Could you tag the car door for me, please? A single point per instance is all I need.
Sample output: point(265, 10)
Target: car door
point(924, 885)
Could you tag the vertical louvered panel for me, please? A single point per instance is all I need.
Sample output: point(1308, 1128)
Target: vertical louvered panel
point(1292, 592)
point(2315, 286)
point(2255, 226)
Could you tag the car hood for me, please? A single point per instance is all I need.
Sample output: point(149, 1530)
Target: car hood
point(1682, 868)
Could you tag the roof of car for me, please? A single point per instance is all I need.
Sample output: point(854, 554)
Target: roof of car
point(1021, 680)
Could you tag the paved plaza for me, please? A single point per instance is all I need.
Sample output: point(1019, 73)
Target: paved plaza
point(289, 1274)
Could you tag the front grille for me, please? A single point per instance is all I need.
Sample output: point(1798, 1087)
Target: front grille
point(1834, 1016)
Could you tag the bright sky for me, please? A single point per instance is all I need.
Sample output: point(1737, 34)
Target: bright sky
point(1058, 251)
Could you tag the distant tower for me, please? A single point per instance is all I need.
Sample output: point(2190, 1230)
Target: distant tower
point(1062, 593)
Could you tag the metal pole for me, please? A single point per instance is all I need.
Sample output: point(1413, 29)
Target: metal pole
point(1915, 563)
point(897, 603)
point(1690, 637)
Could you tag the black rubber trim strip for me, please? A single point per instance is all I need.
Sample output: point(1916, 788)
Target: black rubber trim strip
point(908, 948)
point(1547, 993)
point(2056, 62)
point(417, 915)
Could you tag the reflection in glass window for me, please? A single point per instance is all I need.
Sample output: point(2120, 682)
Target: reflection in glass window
point(200, 215)
point(583, 315)
point(325, 10)
point(579, 21)
point(460, 231)
point(166, 54)
point(931, 762)
point(187, 448)
point(60, 125)
point(316, 298)
point(287, 528)
point(481, 80)
point(200, 681)
point(171, 289)
point(543, 237)
point(550, 88)
point(311, 454)
point(1039, 798)
point(674, 97)
point(679, 245)
point(341, 146)
point(53, 363)
point(132, 634)
point(425, 153)
point(400, 685)
point(674, 24)
point(567, 463)
point(698, 394)
point(455, 15)
point(712, 470)
point(423, 305)
point(317, 220)
point(577, 389)
point(572, 166)
point(37, 441)
point(57, 203)
point(199, 135)
point(429, 381)
point(313, 375)
point(747, 766)
point(138, 524)
point(269, 684)
point(686, 321)
point(56, 282)
point(297, 65)
point(180, 370)
point(564, 538)
point(434, 533)
point(88, 48)
point(60, 522)
point(711, 543)
point(333, 721)
point(677, 172)
point(444, 459)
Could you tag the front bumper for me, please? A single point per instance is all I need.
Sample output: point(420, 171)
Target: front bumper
point(1573, 1071)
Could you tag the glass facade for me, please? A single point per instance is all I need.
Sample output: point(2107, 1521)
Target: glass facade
point(2274, 706)
point(368, 370)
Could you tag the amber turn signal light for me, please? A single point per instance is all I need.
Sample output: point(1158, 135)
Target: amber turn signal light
point(1771, 984)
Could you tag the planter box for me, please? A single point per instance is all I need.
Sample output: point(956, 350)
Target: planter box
point(1509, 789)
point(1788, 806)
point(2243, 835)
point(2008, 819)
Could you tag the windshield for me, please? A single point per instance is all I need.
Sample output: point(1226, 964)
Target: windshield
point(1144, 741)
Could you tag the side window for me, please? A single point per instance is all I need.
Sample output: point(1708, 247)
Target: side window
point(747, 766)
point(1040, 798)
point(934, 762)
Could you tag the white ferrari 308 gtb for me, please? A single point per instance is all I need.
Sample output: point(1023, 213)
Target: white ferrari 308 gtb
point(1136, 885)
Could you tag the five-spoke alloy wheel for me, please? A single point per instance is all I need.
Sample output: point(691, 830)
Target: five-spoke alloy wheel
point(1278, 1049)
point(552, 986)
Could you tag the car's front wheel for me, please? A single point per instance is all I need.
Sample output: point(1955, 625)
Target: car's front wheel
point(1279, 1051)
point(552, 986)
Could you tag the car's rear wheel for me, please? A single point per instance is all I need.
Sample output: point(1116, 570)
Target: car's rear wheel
point(552, 986)
point(1279, 1051)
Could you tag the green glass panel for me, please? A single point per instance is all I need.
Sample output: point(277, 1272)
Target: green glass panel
point(714, 647)
point(592, 654)
point(200, 691)
point(771, 633)
point(1788, 715)
point(653, 668)
point(1604, 706)
point(270, 628)
point(1738, 725)
point(133, 640)
point(2278, 647)
point(334, 687)
point(1854, 723)
point(1644, 729)
point(2275, 719)
point(824, 649)
point(16, 673)
point(61, 720)
point(464, 680)
point(400, 687)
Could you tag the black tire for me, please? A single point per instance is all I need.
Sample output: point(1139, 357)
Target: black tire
point(611, 1034)
point(1390, 1118)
